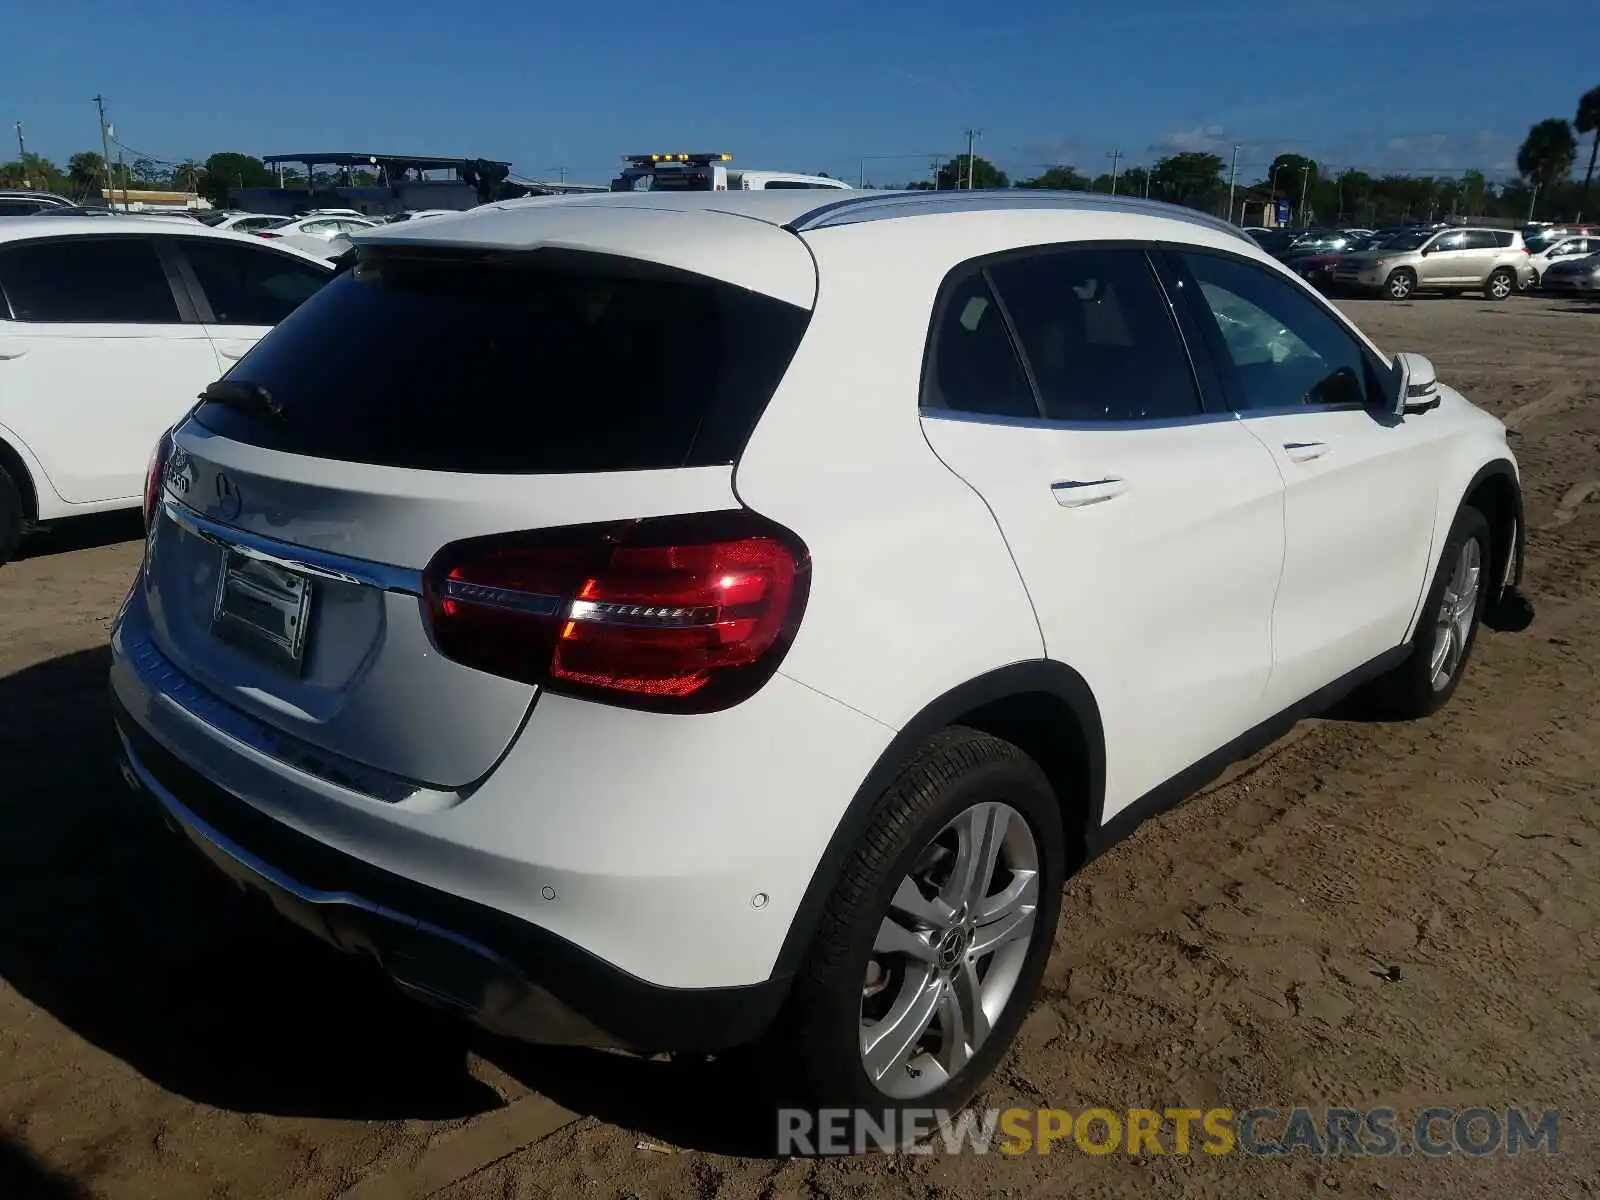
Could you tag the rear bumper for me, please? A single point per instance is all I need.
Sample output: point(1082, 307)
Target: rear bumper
point(505, 974)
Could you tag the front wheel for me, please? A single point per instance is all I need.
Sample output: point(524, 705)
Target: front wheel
point(1500, 284)
point(1400, 284)
point(1448, 626)
point(931, 950)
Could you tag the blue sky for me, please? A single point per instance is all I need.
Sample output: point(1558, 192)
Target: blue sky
point(1380, 84)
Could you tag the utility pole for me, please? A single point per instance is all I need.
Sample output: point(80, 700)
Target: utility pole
point(22, 157)
point(972, 136)
point(1115, 156)
point(105, 147)
point(1147, 183)
point(1233, 178)
point(861, 173)
point(1305, 179)
point(1533, 200)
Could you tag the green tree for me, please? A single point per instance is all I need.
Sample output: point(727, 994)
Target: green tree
point(1588, 122)
point(1283, 176)
point(1548, 152)
point(188, 175)
point(1190, 178)
point(34, 171)
point(86, 172)
point(230, 169)
point(1060, 179)
point(984, 174)
point(147, 173)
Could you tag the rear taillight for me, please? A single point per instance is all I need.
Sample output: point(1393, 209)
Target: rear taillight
point(682, 614)
point(266, 234)
point(152, 478)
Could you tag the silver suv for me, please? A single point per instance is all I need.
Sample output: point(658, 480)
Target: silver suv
point(1491, 261)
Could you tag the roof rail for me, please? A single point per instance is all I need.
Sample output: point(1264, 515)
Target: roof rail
point(885, 206)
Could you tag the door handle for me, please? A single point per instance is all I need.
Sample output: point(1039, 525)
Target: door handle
point(6, 355)
point(1079, 493)
point(236, 355)
point(1305, 451)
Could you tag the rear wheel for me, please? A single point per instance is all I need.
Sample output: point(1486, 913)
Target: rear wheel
point(1401, 283)
point(1500, 284)
point(10, 517)
point(932, 948)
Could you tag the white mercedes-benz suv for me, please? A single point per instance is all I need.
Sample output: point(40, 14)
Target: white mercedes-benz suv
point(680, 621)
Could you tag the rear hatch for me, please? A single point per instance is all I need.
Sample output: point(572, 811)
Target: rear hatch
point(435, 393)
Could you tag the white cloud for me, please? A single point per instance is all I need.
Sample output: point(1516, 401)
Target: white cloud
point(1202, 139)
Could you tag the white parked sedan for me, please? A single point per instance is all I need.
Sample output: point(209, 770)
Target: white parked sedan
point(109, 330)
point(316, 234)
point(243, 222)
point(670, 620)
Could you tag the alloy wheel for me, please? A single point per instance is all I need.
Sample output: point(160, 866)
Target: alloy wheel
point(1457, 609)
point(949, 951)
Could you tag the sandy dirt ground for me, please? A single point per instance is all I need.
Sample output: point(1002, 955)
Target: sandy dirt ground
point(1369, 914)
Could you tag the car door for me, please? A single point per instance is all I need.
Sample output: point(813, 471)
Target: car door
point(242, 290)
point(100, 355)
point(1148, 531)
point(1443, 261)
point(1361, 487)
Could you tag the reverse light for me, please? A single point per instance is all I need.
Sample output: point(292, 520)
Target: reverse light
point(683, 614)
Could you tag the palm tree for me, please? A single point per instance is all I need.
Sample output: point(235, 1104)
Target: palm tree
point(86, 170)
point(1588, 122)
point(1547, 153)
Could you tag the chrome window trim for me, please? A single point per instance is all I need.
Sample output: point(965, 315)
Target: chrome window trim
point(318, 564)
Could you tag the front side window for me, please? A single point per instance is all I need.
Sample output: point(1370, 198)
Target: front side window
point(112, 280)
point(250, 286)
point(1285, 350)
point(1448, 241)
point(1098, 335)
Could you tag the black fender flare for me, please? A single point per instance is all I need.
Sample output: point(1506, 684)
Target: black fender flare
point(1507, 609)
point(1042, 675)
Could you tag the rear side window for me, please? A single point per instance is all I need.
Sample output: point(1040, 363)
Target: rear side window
point(557, 363)
point(972, 367)
point(103, 279)
point(1484, 239)
point(1098, 335)
point(250, 286)
point(19, 208)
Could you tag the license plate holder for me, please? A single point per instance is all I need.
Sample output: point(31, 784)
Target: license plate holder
point(262, 609)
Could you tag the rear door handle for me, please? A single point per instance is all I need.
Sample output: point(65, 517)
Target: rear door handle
point(6, 355)
point(233, 354)
point(1079, 493)
point(1305, 451)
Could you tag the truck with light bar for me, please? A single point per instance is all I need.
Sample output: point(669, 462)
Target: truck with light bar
point(707, 173)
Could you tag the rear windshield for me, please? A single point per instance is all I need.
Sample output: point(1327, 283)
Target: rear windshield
point(560, 362)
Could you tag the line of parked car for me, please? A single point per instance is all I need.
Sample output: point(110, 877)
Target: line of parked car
point(1401, 262)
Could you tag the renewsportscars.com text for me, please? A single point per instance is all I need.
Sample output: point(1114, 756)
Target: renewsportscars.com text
point(1259, 1132)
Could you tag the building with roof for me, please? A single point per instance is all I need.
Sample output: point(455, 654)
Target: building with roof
point(382, 184)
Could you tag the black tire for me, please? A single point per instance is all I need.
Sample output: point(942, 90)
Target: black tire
point(10, 517)
point(1408, 691)
point(1501, 284)
point(1401, 284)
point(818, 1040)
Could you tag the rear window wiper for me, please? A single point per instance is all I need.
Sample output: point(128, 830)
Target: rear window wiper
point(248, 397)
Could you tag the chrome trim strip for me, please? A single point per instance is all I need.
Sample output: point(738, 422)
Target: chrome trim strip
point(944, 414)
point(885, 206)
point(318, 564)
point(158, 674)
point(217, 843)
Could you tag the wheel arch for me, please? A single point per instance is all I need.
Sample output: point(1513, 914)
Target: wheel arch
point(12, 462)
point(1496, 491)
point(1042, 706)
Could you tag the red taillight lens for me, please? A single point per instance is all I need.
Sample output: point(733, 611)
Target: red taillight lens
point(687, 614)
point(266, 234)
point(152, 478)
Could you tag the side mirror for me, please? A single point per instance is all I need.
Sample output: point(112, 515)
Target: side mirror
point(1418, 389)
